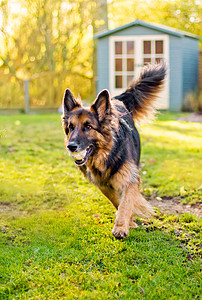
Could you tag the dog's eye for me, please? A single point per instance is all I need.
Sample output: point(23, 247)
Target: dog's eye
point(71, 127)
point(66, 130)
point(87, 126)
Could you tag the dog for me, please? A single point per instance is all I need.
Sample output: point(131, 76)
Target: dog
point(105, 144)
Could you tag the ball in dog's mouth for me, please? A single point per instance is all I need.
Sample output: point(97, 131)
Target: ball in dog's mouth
point(82, 156)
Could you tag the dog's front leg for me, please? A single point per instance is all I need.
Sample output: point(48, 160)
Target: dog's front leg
point(131, 202)
point(124, 213)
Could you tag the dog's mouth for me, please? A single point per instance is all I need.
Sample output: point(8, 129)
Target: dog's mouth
point(82, 156)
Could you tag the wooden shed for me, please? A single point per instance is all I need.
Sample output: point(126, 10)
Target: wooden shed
point(123, 51)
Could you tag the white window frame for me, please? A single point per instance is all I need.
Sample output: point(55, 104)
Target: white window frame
point(139, 62)
point(124, 56)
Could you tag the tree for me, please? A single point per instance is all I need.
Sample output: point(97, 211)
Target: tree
point(56, 36)
point(181, 14)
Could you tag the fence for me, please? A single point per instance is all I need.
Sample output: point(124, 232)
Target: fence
point(40, 92)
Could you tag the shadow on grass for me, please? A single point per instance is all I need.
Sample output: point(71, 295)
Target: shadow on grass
point(185, 131)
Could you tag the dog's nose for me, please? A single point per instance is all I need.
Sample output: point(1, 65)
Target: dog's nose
point(72, 147)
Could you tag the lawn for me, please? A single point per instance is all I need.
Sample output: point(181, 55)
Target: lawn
point(55, 227)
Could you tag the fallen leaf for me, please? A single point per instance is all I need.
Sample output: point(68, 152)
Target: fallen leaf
point(182, 191)
point(158, 198)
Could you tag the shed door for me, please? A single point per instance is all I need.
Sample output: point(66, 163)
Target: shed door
point(128, 55)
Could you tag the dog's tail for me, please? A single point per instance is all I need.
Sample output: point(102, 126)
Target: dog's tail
point(140, 95)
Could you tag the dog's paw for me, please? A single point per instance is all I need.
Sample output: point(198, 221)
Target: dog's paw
point(120, 232)
point(133, 224)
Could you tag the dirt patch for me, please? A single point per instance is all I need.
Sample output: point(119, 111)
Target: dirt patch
point(195, 117)
point(12, 210)
point(166, 205)
point(173, 206)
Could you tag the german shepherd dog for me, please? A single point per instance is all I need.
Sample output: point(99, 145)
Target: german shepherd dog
point(105, 144)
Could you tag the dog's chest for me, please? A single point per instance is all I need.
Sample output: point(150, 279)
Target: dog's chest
point(96, 176)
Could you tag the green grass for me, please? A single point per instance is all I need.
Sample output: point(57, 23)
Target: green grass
point(55, 227)
point(171, 157)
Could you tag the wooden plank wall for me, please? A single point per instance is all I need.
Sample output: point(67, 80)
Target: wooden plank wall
point(200, 71)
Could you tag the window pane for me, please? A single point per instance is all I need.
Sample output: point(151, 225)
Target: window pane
point(118, 64)
point(147, 47)
point(159, 47)
point(130, 47)
point(118, 82)
point(118, 47)
point(147, 61)
point(129, 79)
point(130, 64)
point(158, 60)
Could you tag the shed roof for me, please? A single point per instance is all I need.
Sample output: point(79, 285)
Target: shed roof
point(155, 26)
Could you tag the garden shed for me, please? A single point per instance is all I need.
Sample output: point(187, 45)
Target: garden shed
point(123, 51)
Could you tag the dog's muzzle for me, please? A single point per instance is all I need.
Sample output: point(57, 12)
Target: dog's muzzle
point(80, 157)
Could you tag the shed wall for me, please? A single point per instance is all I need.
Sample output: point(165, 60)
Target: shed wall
point(190, 65)
point(103, 64)
point(200, 71)
point(175, 69)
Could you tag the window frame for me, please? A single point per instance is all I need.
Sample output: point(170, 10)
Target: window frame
point(124, 56)
point(138, 61)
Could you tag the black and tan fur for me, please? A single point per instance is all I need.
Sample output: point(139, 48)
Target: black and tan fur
point(106, 136)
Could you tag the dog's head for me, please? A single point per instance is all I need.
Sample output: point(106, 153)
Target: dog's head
point(84, 126)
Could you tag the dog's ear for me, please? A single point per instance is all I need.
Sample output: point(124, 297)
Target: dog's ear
point(102, 104)
point(69, 102)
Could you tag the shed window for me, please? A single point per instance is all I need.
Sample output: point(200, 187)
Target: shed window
point(119, 82)
point(130, 64)
point(124, 66)
point(147, 47)
point(147, 61)
point(129, 79)
point(153, 51)
point(118, 47)
point(158, 60)
point(118, 64)
point(127, 56)
point(159, 47)
point(130, 47)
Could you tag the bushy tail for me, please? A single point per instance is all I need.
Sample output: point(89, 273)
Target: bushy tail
point(140, 95)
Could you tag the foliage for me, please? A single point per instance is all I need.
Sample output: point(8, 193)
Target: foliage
point(193, 101)
point(49, 36)
point(11, 95)
point(55, 228)
point(40, 36)
point(45, 36)
point(181, 14)
point(55, 39)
